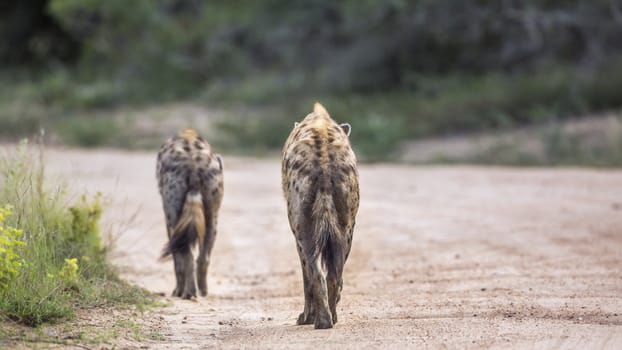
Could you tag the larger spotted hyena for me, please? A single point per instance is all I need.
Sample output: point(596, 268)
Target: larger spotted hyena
point(320, 182)
point(191, 185)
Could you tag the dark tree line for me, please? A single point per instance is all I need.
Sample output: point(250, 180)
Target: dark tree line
point(345, 44)
point(29, 34)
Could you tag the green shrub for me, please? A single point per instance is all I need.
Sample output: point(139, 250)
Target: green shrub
point(84, 235)
point(62, 263)
point(253, 133)
point(88, 131)
point(10, 262)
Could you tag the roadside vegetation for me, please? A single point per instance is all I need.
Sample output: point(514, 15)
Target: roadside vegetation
point(397, 70)
point(382, 121)
point(53, 261)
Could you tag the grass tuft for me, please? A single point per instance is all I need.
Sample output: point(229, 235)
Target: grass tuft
point(63, 261)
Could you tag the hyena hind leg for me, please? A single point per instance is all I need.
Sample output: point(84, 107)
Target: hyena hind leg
point(190, 290)
point(308, 314)
point(334, 284)
point(323, 317)
point(180, 276)
point(203, 260)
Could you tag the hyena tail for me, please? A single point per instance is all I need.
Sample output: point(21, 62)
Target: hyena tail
point(328, 242)
point(190, 227)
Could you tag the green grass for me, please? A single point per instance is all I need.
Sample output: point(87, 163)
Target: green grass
point(559, 150)
point(596, 142)
point(260, 110)
point(72, 110)
point(56, 228)
point(89, 131)
point(436, 106)
point(566, 148)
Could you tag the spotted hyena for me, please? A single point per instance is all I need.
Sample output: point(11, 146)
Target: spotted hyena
point(191, 185)
point(320, 182)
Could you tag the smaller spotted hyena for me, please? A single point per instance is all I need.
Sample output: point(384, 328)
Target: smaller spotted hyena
point(320, 182)
point(191, 185)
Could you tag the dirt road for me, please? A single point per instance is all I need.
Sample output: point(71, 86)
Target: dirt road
point(443, 257)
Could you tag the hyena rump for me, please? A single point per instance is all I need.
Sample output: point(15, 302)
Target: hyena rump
point(191, 185)
point(320, 183)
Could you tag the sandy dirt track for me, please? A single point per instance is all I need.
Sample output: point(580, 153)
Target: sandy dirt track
point(443, 257)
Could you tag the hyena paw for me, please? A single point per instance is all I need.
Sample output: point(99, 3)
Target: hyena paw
point(188, 295)
point(202, 284)
point(323, 322)
point(305, 319)
point(189, 292)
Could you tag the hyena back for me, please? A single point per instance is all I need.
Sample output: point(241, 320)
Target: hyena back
point(320, 183)
point(190, 182)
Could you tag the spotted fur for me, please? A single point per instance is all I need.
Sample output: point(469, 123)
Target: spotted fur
point(190, 182)
point(320, 183)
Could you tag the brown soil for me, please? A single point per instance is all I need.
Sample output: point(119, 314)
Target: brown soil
point(443, 257)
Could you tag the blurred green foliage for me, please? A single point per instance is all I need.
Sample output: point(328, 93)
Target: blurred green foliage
point(395, 69)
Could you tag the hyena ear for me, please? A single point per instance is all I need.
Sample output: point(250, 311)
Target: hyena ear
point(296, 124)
point(219, 159)
point(346, 128)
